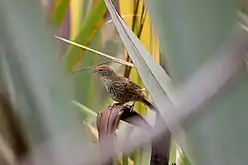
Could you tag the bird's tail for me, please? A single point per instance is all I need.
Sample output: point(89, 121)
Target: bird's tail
point(149, 104)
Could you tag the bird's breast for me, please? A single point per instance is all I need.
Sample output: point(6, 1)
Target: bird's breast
point(115, 91)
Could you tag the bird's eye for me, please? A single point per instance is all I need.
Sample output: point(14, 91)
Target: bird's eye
point(100, 70)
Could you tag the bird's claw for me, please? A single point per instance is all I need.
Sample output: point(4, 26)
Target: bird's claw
point(130, 107)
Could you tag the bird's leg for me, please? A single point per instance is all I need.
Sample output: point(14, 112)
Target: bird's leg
point(132, 106)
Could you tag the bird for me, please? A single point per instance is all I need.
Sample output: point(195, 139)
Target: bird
point(120, 88)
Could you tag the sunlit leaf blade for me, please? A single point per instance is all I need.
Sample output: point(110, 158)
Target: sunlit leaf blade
point(76, 12)
point(90, 27)
point(93, 131)
point(184, 160)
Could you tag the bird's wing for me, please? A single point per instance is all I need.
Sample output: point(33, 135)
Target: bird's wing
point(136, 86)
point(131, 84)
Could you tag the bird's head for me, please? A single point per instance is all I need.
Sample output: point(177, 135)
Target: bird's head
point(104, 71)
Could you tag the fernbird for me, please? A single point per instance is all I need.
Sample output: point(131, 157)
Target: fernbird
point(120, 88)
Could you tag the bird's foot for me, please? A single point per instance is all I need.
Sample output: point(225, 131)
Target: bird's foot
point(131, 107)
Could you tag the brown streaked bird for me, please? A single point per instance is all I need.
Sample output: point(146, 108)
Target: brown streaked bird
point(120, 88)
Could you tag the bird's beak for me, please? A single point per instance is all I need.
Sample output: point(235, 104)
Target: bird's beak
point(80, 70)
point(92, 70)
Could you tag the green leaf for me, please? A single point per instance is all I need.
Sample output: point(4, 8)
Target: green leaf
point(89, 114)
point(60, 11)
point(90, 27)
point(124, 160)
point(85, 109)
